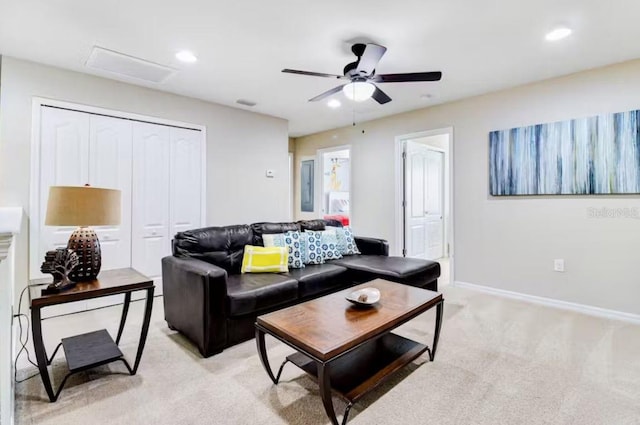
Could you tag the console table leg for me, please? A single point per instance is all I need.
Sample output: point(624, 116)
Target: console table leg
point(41, 353)
point(262, 351)
point(436, 335)
point(148, 305)
point(324, 380)
point(123, 319)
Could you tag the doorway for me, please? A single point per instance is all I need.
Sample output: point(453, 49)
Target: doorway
point(335, 184)
point(423, 194)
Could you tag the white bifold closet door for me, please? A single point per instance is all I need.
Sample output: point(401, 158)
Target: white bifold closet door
point(167, 183)
point(186, 183)
point(158, 168)
point(77, 149)
point(151, 178)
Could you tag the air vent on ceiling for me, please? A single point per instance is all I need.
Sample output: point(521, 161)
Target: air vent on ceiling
point(246, 102)
point(128, 66)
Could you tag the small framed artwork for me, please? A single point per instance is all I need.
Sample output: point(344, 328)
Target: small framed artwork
point(306, 185)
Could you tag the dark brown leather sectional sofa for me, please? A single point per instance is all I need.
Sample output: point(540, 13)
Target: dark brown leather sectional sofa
point(208, 300)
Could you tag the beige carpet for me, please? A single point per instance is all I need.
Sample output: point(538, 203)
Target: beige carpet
point(500, 361)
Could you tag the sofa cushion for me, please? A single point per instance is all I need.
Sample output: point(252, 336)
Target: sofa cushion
point(316, 279)
point(395, 268)
point(260, 229)
point(220, 246)
point(251, 293)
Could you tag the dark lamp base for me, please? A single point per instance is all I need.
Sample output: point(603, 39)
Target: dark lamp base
point(84, 241)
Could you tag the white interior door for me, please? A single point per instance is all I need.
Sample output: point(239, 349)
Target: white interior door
point(186, 180)
point(434, 201)
point(424, 197)
point(151, 150)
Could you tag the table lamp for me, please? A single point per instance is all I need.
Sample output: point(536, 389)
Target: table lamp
point(83, 206)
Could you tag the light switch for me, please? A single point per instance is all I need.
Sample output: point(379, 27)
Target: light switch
point(558, 265)
point(270, 174)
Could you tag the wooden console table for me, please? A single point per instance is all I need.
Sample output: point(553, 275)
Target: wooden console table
point(94, 348)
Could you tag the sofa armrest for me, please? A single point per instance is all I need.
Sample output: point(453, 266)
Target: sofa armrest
point(372, 246)
point(195, 297)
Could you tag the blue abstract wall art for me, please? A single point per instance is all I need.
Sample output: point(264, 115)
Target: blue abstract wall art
point(585, 156)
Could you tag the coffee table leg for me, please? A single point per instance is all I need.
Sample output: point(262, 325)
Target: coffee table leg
point(436, 335)
point(262, 350)
point(324, 380)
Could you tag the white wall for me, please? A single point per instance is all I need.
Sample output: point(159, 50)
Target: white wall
point(241, 145)
point(509, 243)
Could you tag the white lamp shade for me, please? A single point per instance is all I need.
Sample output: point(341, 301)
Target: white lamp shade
point(82, 206)
point(358, 90)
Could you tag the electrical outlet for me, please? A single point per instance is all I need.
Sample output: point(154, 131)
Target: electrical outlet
point(558, 265)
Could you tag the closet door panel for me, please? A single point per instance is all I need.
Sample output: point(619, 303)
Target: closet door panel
point(186, 180)
point(151, 242)
point(64, 149)
point(110, 155)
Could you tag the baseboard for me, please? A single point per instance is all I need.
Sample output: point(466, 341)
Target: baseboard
point(550, 302)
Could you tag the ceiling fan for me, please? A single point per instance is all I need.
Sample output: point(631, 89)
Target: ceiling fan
point(362, 76)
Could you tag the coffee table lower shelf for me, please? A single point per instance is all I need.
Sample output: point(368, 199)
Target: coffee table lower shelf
point(357, 372)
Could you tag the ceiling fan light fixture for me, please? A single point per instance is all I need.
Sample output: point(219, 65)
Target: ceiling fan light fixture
point(358, 91)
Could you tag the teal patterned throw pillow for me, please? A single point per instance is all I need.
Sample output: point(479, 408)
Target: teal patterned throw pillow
point(330, 249)
point(346, 241)
point(314, 247)
point(352, 248)
point(292, 240)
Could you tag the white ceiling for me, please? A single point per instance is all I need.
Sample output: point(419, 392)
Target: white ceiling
point(480, 45)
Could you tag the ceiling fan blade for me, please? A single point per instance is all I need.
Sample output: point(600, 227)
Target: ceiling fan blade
point(370, 58)
point(312, 74)
point(380, 96)
point(326, 94)
point(408, 77)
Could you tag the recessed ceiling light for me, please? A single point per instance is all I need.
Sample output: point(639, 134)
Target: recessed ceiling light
point(186, 56)
point(334, 103)
point(558, 34)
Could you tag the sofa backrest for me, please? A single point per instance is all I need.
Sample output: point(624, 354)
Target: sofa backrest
point(260, 229)
point(220, 246)
point(224, 246)
point(318, 224)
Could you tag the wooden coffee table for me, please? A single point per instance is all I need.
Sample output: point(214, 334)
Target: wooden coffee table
point(350, 350)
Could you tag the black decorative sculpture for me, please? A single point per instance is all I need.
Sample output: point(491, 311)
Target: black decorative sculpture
point(59, 263)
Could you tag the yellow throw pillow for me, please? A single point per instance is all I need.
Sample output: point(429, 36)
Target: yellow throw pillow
point(258, 259)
